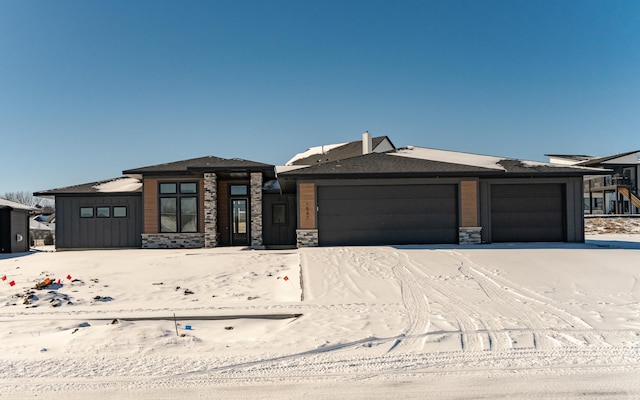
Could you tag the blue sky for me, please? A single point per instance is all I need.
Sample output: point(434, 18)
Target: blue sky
point(91, 88)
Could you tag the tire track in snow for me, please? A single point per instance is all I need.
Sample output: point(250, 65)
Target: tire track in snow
point(478, 328)
point(416, 303)
point(502, 290)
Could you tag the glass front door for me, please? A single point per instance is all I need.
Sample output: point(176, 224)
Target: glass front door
point(239, 226)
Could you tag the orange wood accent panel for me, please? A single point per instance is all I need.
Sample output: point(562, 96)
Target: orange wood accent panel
point(469, 203)
point(307, 202)
point(150, 205)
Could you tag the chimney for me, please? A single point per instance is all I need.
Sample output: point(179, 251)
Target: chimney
point(367, 144)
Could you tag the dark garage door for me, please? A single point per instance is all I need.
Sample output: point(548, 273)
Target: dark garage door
point(528, 213)
point(380, 215)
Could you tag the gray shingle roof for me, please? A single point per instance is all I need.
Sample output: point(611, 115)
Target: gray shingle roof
point(208, 163)
point(94, 187)
point(379, 165)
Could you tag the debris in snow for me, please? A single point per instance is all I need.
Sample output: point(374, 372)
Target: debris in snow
point(229, 328)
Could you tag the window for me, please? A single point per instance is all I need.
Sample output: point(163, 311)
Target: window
point(119, 212)
point(168, 188)
point(103, 212)
point(238, 190)
point(86, 212)
point(179, 207)
point(279, 213)
point(188, 188)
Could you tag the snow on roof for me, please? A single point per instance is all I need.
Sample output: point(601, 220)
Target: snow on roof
point(453, 157)
point(4, 203)
point(119, 185)
point(287, 168)
point(313, 151)
point(527, 163)
point(33, 224)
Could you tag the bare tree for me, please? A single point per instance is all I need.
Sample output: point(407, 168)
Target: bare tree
point(27, 198)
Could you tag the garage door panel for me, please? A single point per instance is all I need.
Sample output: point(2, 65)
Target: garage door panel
point(390, 237)
point(532, 205)
point(539, 234)
point(386, 222)
point(527, 213)
point(383, 192)
point(528, 219)
point(398, 214)
point(374, 206)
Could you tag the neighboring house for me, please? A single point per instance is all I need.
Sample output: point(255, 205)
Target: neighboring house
point(364, 192)
point(418, 195)
point(38, 232)
point(333, 152)
point(14, 226)
point(614, 193)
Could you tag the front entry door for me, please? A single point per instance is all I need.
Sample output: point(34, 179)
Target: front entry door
point(239, 225)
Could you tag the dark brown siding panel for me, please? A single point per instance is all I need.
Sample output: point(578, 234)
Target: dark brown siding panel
point(528, 213)
point(223, 213)
point(387, 214)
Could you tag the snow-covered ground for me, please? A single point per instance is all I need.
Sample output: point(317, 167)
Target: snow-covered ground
point(451, 322)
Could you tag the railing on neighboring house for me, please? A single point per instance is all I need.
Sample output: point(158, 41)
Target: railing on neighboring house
point(607, 181)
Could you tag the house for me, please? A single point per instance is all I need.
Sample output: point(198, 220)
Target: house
point(40, 233)
point(415, 195)
point(614, 193)
point(201, 202)
point(364, 192)
point(14, 226)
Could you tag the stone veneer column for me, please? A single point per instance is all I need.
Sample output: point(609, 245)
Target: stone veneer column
point(256, 210)
point(210, 210)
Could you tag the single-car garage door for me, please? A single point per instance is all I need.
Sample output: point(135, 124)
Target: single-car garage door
point(528, 213)
point(383, 215)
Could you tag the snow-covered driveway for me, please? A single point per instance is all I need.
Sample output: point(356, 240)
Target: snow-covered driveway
point(525, 321)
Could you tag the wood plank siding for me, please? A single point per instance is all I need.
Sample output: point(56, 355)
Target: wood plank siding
point(307, 199)
point(469, 203)
point(150, 205)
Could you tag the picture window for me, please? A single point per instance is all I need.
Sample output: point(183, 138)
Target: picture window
point(178, 207)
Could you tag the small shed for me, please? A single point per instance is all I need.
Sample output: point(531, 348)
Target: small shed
point(14, 226)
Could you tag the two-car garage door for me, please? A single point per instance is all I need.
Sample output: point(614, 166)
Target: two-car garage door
point(387, 214)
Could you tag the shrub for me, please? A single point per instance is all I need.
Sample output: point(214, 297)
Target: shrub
point(48, 240)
